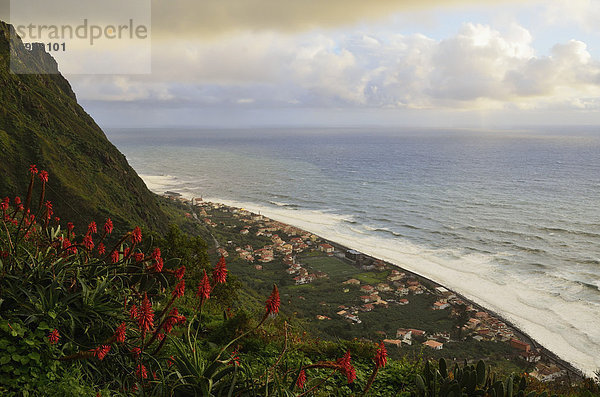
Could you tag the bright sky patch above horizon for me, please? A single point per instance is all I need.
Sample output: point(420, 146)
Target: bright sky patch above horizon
point(257, 62)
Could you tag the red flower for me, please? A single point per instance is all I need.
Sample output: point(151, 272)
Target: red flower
point(54, 336)
point(101, 351)
point(66, 245)
point(179, 289)
point(180, 272)
point(49, 211)
point(88, 243)
point(170, 361)
point(145, 316)
point(234, 358)
point(33, 169)
point(126, 252)
point(4, 205)
point(120, 333)
point(141, 372)
point(108, 226)
point(114, 256)
point(346, 367)
point(220, 272)
point(204, 289)
point(133, 312)
point(273, 301)
point(101, 249)
point(380, 356)
point(173, 319)
point(158, 265)
point(156, 254)
point(138, 256)
point(17, 200)
point(92, 228)
point(136, 351)
point(43, 176)
point(136, 235)
point(301, 379)
point(70, 226)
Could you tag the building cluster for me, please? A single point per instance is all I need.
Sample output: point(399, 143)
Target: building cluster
point(287, 242)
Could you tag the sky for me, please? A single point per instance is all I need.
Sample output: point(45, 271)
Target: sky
point(248, 63)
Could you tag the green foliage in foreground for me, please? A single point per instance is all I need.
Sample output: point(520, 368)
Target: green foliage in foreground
point(78, 317)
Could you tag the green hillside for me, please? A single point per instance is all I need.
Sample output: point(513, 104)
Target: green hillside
point(41, 123)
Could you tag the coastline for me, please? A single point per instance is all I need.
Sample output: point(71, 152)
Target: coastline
point(572, 373)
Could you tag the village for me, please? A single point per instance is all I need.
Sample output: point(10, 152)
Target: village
point(277, 245)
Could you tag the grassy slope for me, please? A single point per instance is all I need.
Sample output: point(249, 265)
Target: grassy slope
point(42, 123)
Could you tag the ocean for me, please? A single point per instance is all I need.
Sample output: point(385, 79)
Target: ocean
point(510, 219)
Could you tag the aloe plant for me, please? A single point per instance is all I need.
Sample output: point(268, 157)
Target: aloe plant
point(468, 380)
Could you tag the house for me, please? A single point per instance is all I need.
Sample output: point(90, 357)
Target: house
point(530, 357)
point(381, 302)
point(403, 302)
point(367, 307)
point(290, 270)
point(404, 333)
point(547, 373)
point(473, 323)
point(223, 252)
point(415, 289)
point(321, 317)
point(355, 256)
point(483, 331)
point(443, 291)
point(367, 288)
point(382, 287)
point(301, 280)
point(244, 231)
point(327, 248)
point(440, 305)
point(296, 240)
point(353, 318)
point(395, 277)
point(379, 265)
point(520, 345)
point(402, 291)
point(417, 332)
point(366, 298)
point(352, 281)
point(434, 344)
point(393, 342)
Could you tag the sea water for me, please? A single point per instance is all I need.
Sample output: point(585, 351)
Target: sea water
point(510, 219)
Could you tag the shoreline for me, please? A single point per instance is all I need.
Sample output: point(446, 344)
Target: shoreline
point(522, 335)
point(572, 373)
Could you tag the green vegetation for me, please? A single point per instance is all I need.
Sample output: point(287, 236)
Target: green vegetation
point(41, 123)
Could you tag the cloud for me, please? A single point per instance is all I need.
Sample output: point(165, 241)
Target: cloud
point(584, 13)
point(210, 18)
point(476, 68)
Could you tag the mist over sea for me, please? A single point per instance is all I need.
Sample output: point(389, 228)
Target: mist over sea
point(511, 219)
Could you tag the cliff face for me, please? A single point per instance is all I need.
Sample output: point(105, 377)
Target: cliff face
point(41, 123)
